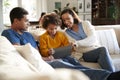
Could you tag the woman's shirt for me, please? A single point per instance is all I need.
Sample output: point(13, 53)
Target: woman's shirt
point(85, 40)
point(77, 35)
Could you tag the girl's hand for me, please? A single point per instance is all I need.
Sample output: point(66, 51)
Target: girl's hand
point(51, 51)
point(48, 58)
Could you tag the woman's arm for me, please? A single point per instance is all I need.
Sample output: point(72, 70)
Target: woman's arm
point(91, 39)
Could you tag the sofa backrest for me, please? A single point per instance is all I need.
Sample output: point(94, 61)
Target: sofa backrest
point(115, 27)
point(107, 38)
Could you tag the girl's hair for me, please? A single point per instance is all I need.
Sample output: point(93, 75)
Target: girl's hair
point(74, 15)
point(51, 18)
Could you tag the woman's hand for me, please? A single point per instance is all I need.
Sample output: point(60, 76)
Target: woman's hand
point(73, 46)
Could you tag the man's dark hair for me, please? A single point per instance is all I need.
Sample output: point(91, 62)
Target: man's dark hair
point(17, 12)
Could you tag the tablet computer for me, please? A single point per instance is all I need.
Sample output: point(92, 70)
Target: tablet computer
point(62, 52)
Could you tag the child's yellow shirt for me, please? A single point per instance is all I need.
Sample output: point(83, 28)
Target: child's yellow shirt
point(47, 42)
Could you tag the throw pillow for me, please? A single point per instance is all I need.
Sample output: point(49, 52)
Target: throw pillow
point(37, 32)
point(33, 56)
point(108, 39)
point(12, 65)
point(10, 56)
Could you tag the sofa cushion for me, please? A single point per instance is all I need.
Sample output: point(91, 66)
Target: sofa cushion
point(33, 56)
point(116, 61)
point(37, 32)
point(115, 27)
point(10, 56)
point(67, 74)
point(91, 65)
point(12, 65)
point(108, 39)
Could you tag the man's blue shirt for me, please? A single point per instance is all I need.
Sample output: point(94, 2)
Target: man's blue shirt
point(22, 39)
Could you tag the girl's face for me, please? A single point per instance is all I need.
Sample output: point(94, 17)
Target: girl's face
point(52, 29)
point(67, 20)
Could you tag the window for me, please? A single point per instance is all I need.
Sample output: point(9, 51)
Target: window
point(29, 5)
point(7, 6)
point(31, 8)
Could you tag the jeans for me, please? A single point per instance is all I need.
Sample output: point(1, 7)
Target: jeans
point(72, 63)
point(100, 55)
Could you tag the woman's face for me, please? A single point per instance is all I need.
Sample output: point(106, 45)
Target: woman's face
point(51, 29)
point(67, 20)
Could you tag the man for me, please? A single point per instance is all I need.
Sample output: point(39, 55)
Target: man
point(17, 34)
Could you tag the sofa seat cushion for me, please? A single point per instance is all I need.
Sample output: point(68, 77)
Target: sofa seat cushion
point(116, 61)
point(107, 38)
point(91, 65)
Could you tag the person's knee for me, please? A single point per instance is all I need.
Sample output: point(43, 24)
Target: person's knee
point(102, 48)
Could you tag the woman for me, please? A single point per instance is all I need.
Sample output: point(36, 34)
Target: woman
point(82, 35)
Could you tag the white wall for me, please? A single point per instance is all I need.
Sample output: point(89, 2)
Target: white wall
point(42, 7)
point(1, 17)
point(73, 3)
point(51, 4)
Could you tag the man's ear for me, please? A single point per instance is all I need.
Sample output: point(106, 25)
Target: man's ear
point(15, 21)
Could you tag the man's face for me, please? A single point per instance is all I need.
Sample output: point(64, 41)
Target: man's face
point(23, 23)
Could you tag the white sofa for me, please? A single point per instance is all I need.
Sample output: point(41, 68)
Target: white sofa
point(15, 64)
point(108, 36)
